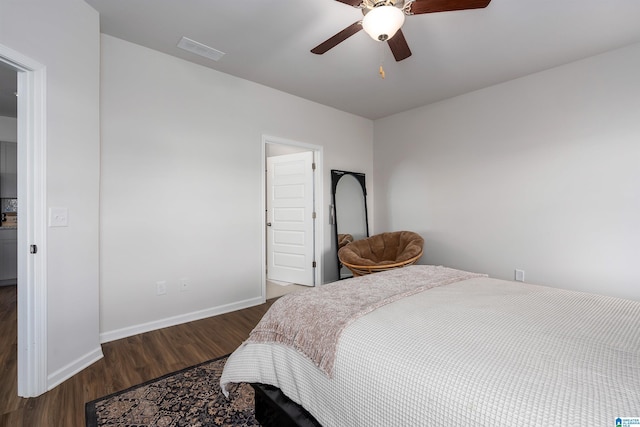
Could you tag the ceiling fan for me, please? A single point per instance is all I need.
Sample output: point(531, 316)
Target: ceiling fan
point(383, 19)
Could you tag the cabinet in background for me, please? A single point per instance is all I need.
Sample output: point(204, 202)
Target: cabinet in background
point(8, 255)
point(8, 170)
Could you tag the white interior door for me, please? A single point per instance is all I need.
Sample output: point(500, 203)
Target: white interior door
point(290, 218)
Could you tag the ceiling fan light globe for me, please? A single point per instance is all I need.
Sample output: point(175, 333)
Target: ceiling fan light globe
point(383, 22)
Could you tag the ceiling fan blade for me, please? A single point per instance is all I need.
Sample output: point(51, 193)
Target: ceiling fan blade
point(432, 6)
point(337, 39)
point(354, 3)
point(399, 46)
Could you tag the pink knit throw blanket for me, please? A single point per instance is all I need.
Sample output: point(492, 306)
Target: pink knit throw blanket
point(311, 321)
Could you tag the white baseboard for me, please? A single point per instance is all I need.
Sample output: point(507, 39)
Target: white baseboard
point(66, 372)
point(177, 320)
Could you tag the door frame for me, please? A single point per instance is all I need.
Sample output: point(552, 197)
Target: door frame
point(318, 203)
point(32, 268)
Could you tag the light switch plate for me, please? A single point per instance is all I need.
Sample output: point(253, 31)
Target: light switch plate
point(58, 217)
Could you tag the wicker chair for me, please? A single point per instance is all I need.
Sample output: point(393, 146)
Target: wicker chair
point(381, 252)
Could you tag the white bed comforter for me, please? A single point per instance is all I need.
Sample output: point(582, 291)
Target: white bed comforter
point(480, 352)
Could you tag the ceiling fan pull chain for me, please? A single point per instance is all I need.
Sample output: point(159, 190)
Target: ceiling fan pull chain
point(381, 58)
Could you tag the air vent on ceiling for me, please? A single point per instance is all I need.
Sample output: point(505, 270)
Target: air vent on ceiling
point(200, 49)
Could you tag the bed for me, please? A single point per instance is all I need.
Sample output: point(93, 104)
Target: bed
point(434, 346)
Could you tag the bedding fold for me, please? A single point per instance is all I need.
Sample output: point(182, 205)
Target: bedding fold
point(311, 321)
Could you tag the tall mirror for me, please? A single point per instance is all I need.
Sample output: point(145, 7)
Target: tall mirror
point(349, 197)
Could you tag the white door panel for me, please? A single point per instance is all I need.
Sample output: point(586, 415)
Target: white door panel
point(290, 215)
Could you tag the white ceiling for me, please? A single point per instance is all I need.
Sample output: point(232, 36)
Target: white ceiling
point(268, 42)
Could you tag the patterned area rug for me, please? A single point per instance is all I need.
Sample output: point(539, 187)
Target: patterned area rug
point(191, 397)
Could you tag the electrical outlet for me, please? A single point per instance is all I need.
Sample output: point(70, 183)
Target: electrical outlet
point(184, 285)
point(519, 275)
point(161, 288)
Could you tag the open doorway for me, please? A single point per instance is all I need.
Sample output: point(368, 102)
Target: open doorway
point(9, 231)
point(293, 233)
point(8, 176)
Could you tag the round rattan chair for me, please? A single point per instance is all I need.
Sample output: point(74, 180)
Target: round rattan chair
point(381, 252)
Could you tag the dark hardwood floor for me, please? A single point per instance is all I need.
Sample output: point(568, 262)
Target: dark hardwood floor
point(126, 362)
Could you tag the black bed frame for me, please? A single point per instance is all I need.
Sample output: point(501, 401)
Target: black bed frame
point(274, 409)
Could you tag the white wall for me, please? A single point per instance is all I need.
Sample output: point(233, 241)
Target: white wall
point(64, 37)
point(181, 183)
point(540, 173)
point(8, 129)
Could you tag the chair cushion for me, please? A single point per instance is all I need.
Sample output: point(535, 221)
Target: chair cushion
point(382, 249)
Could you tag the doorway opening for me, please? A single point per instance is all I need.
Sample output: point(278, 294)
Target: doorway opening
point(8, 175)
point(292, 216)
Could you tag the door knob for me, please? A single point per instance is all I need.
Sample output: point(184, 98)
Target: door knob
point(268, 224)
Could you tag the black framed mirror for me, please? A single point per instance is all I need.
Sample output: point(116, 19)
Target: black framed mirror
point(349, 210)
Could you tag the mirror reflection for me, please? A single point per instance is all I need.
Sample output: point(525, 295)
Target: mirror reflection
point(350, 211)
